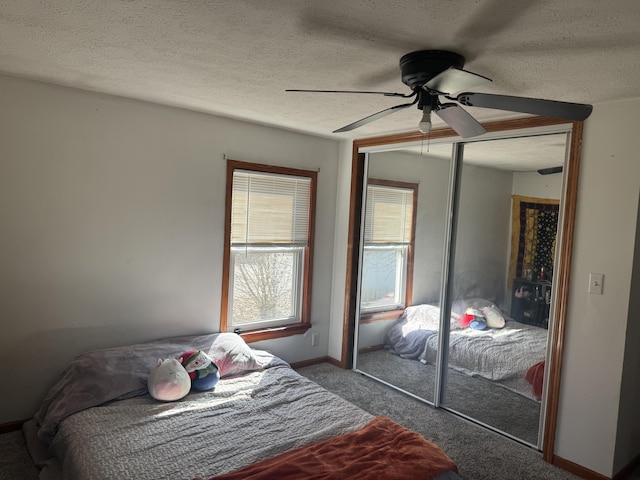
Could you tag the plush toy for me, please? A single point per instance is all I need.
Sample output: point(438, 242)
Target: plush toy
point(168, 380)
point(467, 318)
point(476, 318)
point(203, 372)
point(494, 316)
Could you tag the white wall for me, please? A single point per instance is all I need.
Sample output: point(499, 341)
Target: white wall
point(112, 215)
point(605, 235)
point(532, 184)
point(343, 200)
point(482, 242)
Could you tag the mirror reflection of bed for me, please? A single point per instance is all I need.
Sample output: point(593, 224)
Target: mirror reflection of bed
point(500, 283)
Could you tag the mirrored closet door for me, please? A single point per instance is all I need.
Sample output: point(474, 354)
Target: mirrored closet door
point(474, 227)
point(405, 224)
point(505, 231)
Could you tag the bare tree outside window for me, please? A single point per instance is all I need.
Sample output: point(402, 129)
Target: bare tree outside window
point(379, 269)
point(263, 287)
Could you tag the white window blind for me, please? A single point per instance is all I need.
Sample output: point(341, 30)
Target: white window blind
point(388, 215)
point(269, 209)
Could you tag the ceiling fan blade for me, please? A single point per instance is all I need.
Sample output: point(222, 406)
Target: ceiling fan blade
point(533, 106)
point(386, 94)
point(375, 116)
point(454, 80)
point(459, 119)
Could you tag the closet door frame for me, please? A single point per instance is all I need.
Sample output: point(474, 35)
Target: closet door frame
point(561, 276)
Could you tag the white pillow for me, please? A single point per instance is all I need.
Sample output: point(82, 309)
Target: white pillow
point(233, 356)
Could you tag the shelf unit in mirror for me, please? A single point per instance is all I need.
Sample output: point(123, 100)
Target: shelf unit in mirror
point(530, 301)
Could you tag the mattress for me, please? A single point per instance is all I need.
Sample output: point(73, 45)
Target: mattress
point(249, 416)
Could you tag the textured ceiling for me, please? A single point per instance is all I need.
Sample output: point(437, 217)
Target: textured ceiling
point(236, 58)
point(520, 154)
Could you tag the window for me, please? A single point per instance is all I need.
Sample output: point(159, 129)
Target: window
point(268, 250)
point(387, 262)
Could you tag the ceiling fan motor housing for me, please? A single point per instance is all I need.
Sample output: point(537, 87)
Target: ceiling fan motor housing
point(419, 67)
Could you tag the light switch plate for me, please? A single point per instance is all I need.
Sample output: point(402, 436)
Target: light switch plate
point(595, 283)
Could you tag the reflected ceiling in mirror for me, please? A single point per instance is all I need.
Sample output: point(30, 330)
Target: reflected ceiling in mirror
point(519, 154)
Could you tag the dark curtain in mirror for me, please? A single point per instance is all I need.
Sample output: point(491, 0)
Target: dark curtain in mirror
point(533, 241)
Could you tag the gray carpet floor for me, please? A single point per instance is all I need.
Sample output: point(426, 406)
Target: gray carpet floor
point(15, 462)
point(475, 397)
point(479, 453)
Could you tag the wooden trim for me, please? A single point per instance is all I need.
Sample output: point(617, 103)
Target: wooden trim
point(335, 362)
point(12, 426)
point(275, 332)
point(305, 314)
point(226, 260)
point(412, 249)
point(277, 169)
point(383, 182)
point(558, 330)
point(309, 254)
point(371, 348)
point(308, 363)
point(561, 278)
point(316, 361)
point(353, 243)
point(490, 127)
point(576, 469)
point(380, 316)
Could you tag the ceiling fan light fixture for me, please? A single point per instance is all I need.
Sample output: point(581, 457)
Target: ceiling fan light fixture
point(424, 126)
point(434, 73)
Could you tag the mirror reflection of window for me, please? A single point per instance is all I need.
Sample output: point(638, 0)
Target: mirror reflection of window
point(388, 245)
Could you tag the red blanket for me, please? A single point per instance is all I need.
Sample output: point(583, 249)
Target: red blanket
point(535, 376)
point(382, 449)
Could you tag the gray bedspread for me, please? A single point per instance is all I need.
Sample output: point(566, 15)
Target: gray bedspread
point(96, 377)
point(98, 421)
point(244, 420)
point(502, 356)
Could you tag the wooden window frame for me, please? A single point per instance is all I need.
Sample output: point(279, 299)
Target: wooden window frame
point(376, 316)
point(262, 333)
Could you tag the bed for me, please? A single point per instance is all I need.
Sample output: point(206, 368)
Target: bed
point(503, 355)
point(262, 420)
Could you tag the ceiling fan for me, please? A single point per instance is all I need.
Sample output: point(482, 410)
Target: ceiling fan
point(432, 74)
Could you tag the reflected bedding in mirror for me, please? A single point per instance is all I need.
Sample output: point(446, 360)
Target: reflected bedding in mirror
point(501, 355)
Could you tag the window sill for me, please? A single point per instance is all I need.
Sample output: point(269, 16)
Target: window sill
point(276, 332)
point(379, 316)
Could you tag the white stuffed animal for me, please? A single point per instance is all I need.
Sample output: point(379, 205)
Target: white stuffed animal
point(168, 380)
